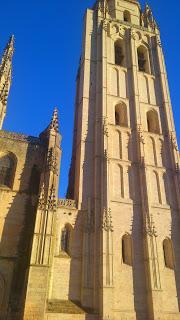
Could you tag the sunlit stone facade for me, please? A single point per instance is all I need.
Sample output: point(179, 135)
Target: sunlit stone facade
point(111, 250)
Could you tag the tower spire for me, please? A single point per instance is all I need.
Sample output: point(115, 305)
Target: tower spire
point(54, 125)
point(5, 77)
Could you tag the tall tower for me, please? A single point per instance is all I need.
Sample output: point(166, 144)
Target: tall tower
point(125, 167)
point(5, 78)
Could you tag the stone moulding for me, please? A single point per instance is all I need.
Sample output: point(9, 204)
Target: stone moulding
point(68, 203)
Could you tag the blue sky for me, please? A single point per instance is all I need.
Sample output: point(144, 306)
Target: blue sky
point(47, 50)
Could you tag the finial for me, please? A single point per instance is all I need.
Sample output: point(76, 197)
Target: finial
point(54, 125)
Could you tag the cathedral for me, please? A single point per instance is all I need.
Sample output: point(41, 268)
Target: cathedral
point(111, 249)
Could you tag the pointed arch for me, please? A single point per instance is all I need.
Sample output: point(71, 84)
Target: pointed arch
point(119, 55)
point(153, 122)
point(66, 238)
point(151, 151)
point(143, 59)
point(121, 117)
point(168, 253)
point(114, 83)
point(155, 188)
point(8, 163)
point(127, 256)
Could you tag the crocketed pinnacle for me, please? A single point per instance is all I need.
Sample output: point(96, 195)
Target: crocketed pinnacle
point(54, 125)
point(6, 64)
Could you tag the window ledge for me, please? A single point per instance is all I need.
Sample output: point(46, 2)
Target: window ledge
point(122, 200)
point(161, 206)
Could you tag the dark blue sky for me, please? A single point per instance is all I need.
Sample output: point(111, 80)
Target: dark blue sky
point(48, 44)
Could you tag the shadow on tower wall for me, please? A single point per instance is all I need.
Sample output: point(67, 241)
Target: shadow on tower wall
point(17, 233)
point(82, 275)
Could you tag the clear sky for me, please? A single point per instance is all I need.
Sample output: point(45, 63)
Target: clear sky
point(47, 50)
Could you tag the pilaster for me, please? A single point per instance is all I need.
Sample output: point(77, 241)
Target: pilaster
point(43, 239)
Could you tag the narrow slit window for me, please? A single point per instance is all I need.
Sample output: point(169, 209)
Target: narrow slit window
point(66, 236)
point(168, 254)
point(127, 249)
point(119, 55)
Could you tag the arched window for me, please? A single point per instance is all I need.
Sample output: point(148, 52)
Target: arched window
point(143, 59)
point(121, 115)
point(153, 122)
point(119, 53)
point(127, 249)
point(66, 235)
point(127, 16)
point(7, 169)
point(168, 253)
point(34, 180)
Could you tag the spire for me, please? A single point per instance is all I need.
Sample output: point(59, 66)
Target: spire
point(7, 56)
point(5, 77)
point(54, 125)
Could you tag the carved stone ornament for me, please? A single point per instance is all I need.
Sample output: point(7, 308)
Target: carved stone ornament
point(67, 203)
point(6, 65)
point(150, 229)
point(54, 125)
point(140, 134)
point(174, 141)
point(42, 202)
point(158, 41)
point(51, 203)
point(103, 7)
point(106, 156)
point(147, 19)
point(107, 220)
point(52, 161)
point(105, 128)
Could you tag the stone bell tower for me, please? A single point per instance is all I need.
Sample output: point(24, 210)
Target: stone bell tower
point(125, 167)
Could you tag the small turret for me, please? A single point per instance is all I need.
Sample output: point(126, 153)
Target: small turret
point(5, 78)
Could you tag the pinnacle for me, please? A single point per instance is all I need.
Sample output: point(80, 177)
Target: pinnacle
point(54, 125)
point(10, 46)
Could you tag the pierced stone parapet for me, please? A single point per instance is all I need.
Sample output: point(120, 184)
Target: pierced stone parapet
point(68, 203)
point(19, 137)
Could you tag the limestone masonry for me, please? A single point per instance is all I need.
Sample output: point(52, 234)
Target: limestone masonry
point(111, 250)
